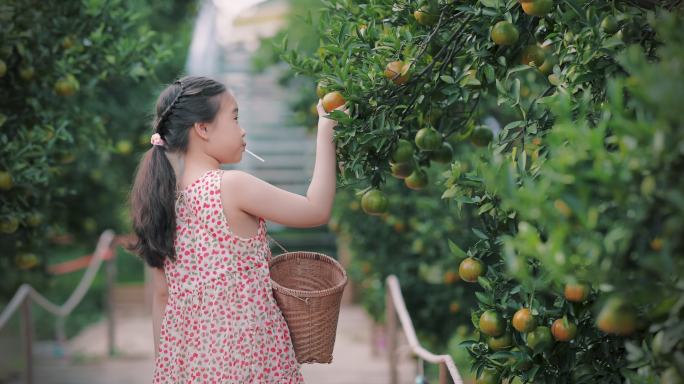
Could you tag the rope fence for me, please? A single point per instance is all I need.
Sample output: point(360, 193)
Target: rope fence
point(26, 295)
point(395, 306)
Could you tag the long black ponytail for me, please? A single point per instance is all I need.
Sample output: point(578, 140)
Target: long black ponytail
point(180, 105)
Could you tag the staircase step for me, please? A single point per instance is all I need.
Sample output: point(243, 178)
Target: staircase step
point(302, 162)
point(278, 132)
point(262, 148)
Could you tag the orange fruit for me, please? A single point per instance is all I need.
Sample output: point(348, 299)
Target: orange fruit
point(576, 293)
point(537, 7)
point(434, 115)
point(366, 267)
point(399, 227)
point(6, 182)
point(470, 269)
point(533, 55)
point(539, 339)
point(425, 16)
point(491, 323)
point(26, 73)
point(547, 66)
point(397, 71)
point(671, 376)
point(523, 320)
point(374, 202)
point(502, 342)
point(124, 147)
point(488, 376)
point(68, 42)
point(34, 219)
point(333, 100)
point(8, 224)
point(320, 89)
point(334, 225)
point(454, 307)
point(401, 170)
point(3, 68)
point(403, 153)
point(504, 33)
point(451, 277)
point(609, 25)
point(470, 80)
point(656, 244)
point(443, 155)
point(428, 139)
point(66, 86)
point(617, 317)
point(417, 180)
point(26, 260)
point(549, 60)
point(481, 136)
point(563, 329)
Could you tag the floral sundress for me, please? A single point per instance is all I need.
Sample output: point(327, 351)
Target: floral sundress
point(221, 323)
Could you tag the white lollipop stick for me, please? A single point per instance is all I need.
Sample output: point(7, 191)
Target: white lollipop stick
point(251, 153)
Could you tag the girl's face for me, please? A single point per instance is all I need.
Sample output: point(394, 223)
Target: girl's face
point(226, 139)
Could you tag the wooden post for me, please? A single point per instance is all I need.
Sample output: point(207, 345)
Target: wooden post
point(391, 336)
point(27, 330)
point(60, 332)
point(443, 374)
point(110, 270)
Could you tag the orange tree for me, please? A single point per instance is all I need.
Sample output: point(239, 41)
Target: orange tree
point(74, 104)
point(577, 194)
point(407, 240)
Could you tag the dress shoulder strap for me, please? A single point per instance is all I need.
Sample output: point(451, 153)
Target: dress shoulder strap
point(206, 204)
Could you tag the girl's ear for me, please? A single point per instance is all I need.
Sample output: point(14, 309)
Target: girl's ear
point(201, 130)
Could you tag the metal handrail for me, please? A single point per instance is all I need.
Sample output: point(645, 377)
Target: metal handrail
point(394, 304)
point(26, 294)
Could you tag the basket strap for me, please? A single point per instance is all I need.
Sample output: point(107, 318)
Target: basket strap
point(277, 243)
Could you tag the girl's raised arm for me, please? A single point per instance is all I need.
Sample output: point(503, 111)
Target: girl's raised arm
point(262, 199)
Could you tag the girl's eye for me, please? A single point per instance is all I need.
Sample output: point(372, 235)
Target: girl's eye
point(236, 117)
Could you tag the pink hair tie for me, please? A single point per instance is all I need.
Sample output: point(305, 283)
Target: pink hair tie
point(157, 140)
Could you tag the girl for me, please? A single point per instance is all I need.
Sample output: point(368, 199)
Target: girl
point(202, 229)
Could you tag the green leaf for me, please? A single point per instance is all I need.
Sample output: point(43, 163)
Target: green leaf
point(479, 234)
point(447, 79)
point(490, 3)
point(456, 250)
point(517, 68)
point(484, 298)
point(484, 283)
point(485, 208)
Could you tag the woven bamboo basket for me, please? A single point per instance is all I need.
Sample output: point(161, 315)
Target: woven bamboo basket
point(308, 288)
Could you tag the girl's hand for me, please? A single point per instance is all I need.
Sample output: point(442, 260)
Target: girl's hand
point(322, 114)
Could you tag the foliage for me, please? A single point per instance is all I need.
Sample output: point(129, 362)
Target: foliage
point(408, 242)
point(580, 183)
point(75, 104)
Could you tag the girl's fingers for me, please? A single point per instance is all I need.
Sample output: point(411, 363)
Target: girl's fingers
point(321, 110)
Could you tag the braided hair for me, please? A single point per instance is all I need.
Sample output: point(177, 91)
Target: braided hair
point(160, 119)
point(179, 106)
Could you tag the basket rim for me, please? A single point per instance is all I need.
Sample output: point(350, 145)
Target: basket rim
point(296, 292)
